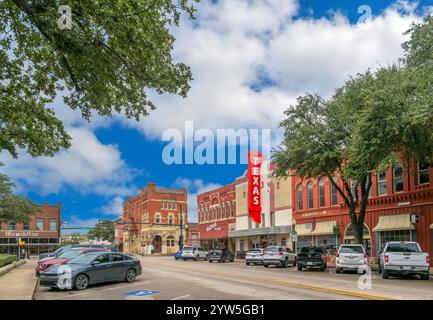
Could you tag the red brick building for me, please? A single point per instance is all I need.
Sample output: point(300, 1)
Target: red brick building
point(216, 216)
point(400, 207)
point(193, 235)
point(152, 220)
point(41, 235)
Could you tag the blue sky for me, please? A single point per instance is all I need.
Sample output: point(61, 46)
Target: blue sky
point(250, 60)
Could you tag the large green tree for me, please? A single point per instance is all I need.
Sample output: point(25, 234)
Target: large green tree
point(111, 57)
point(104, 230)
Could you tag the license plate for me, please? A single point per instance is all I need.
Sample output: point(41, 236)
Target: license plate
point(406, 268)
point(309, 263)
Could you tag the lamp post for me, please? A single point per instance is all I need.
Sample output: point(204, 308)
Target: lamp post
point(181, 229)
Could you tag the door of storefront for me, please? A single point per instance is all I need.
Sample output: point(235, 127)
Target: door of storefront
point(157, 244)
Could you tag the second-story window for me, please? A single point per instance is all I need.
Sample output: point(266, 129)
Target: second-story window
point(381, 184)
point(170, 219)
point(334, 192)
point(157, 218)
point(310, 195)
point(397, 174)
point(299, 196)
point(321, 193)
point(12, 225)
point(40, 224)
point(423, 172)
point(53, 225)
point(26, 226)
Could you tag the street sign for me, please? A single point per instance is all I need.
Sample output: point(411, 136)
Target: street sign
point(140, 293)
point(21, 243)
point(294, 236)
point(336, 231)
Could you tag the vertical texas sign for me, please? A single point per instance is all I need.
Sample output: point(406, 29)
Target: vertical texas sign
point(255, 159)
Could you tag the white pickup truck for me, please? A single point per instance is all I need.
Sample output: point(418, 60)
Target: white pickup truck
point(404, 258)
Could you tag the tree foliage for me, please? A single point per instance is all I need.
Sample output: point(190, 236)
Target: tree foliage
point(104, 230)
point(114, 53)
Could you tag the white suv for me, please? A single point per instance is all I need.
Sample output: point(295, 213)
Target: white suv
point(351, 257)
point(279, 256)
point(194, 253)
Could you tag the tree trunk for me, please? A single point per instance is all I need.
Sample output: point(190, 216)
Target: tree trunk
point(358, 232)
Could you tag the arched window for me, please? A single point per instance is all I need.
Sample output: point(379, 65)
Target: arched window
point(299, 196)
point(158, 218)
point(310, 195)
point(321, 192)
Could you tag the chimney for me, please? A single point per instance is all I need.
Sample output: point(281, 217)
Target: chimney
point(151, 186)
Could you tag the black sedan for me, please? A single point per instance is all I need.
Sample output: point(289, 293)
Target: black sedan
point(91, 268)
point(221, 255)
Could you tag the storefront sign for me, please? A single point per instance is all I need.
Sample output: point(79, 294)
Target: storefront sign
point(21, 234)
point(255, 160)
point(212, 226)
point(314, 213)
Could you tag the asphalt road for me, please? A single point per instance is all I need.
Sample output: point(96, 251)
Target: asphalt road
point(184, 280)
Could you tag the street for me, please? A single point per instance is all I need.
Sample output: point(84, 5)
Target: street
point(184, 280)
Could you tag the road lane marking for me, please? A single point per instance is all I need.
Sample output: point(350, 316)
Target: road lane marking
point(181, 297)
point(289, 283)
point(94, 291)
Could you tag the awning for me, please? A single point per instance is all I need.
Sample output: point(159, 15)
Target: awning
point(394, 222)
point(326, 227)
point(302, 230)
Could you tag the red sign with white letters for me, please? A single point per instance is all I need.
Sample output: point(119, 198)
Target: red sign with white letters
point(255, 160)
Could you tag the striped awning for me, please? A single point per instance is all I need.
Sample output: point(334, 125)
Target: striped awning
point(302, 229)
point(394, 222)
point(323, 228)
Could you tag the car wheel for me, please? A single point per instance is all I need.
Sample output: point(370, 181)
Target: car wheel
point(385, 274)
point(295, 262)
point(323, 268)
point(81, 282)
point(338, 270)
point(196, 259)
point(299, 267)
point(130, 275)
point(210, 261)
point(248, 263)
point(266, 266)
point(286, 263)
point(425, 276)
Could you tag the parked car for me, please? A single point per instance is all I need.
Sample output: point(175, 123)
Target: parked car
point(312, 257)
point(63, 258)
point(194, 253)
point(91, 268)
point(404, 258)
point(254, 256)
point(221, 255)
point(351, 257)
point(279, 256)
point(178, 255)
point(55, 253)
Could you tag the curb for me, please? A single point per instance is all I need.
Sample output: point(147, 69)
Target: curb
point(35, 290)
point(11, 266)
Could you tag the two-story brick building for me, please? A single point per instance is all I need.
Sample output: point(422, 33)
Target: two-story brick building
point(216, 216)
point(40, 235)
point(400, 207)
point(152, 220)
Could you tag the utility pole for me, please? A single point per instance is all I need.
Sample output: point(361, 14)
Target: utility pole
point(181, 229)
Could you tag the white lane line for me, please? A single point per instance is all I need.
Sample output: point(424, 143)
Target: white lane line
point(94, 291)
point(181, 297)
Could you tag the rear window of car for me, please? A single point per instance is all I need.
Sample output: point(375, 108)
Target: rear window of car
point(255, 251)
point(402, 247)
point(272, 249)
point(351, 249)
point(312, 249)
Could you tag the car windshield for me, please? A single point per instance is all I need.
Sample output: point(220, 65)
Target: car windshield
point(402, 247)
point(351, 249)
point(70, 254)
point(272, 249)
point(312, 249)
point(187, 249)
point(84, 259)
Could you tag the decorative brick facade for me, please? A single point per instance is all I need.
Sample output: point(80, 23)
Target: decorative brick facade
point(151, 220)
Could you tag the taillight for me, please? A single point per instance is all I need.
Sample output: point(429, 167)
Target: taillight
point(365, 255)
point(427, 259)
point(386, 259)
point(338, 254)
point(281, 253)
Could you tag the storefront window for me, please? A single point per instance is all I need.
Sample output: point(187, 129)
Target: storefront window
point(423, 172)
point(398, 178)
point(395, 235)
point(241, 245)
point(321, 193)
point(381, 184)
point(310, 195)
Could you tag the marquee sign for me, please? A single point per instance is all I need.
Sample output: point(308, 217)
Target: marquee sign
point(255, 160)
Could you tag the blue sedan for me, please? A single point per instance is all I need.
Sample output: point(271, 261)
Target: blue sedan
point(178, 255)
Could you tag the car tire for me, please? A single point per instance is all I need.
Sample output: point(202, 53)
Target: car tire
point(338, 270)
point(380, 269)
point(385, 274)
point(210, 261)
point(130, 275)
point(81, 282)
point(266, 265)
point(425, 276)
point(248, 263)
point(299, 267)
point(295, 262)
point(286, 263)
point(196, 259)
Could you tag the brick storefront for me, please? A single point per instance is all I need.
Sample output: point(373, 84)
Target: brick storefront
point(41, 235)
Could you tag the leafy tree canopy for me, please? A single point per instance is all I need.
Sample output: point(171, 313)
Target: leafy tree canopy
point(103, 231)
point(113, 54)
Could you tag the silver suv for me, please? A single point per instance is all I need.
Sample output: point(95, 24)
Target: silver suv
point(351, 257)
point(194, 253)
point(279, 256)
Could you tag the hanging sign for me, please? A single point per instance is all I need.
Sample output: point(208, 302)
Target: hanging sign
point(255, 160)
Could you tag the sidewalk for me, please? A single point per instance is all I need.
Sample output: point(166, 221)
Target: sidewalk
point(19, 283)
